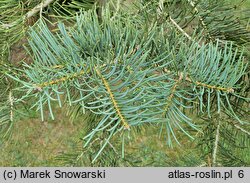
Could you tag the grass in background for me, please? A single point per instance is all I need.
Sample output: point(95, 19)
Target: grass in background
point(37, 143)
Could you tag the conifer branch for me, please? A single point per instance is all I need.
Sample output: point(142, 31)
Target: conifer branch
point(6, 115)
point(170, 97)
point(160, 9)
point(188, 79)
point(38, 8)
point(241, 129)
point(130, 91)
point(180, 29)
point(229, 90)
point(60, 80)
point(200, 18)
point(31, 13)
point(115, 104)
point(11, 106)
point(180, 75)
point(216, 143)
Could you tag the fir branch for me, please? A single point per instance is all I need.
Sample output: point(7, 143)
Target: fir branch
point(11, 105)
point(228, 90)
point(180, 75)
point(6, 113)
point(203, 23)
point(29, 14)
point(160, 9)
point(188, 79)
point(180, 29)
point(106, 84)
point(173, 89)
point(200, 18)
point(60, 80)
point(38, 8)
point(241, 129)
point(216, 143)
point(129, 90)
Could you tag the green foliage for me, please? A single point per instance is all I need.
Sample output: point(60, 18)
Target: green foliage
point(6, 116)
point(15, 18)
point(152, 66)
point(18, 15)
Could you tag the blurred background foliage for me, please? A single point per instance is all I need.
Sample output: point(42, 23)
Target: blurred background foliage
point(59, 142)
